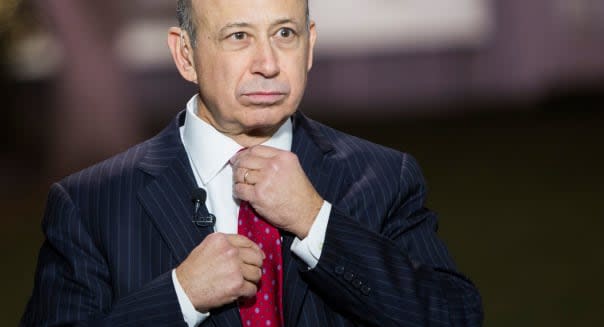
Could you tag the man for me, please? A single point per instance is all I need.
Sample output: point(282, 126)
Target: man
point(344, 239)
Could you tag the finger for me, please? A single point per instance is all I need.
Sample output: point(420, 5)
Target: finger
point(239, 174)
point(264, 151)
point(236, 155)
point(251, 256)
point(244, 192)
point(246, 176)
point(241, 241)
point(249, 252)
point(248, 289)
point(251, 273)
point(240, 154)
point(250, 161)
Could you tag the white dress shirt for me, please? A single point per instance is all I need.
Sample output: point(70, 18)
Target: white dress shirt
point(209, 152)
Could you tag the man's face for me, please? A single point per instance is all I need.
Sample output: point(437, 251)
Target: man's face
point(251, 60)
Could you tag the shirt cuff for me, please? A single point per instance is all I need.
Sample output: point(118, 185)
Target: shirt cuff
point(191, 316)
point(309, 249)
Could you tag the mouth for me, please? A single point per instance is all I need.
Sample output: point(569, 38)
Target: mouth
point(264, 98)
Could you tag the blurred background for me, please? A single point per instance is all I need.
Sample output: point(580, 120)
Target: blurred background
point(501, 101)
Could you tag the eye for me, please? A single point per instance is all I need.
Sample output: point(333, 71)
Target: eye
point(238, 36)
point(286, 32)
point(236, 40)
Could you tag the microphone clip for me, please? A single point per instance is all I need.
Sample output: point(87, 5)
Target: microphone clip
point(199, 197)
point(204, 221)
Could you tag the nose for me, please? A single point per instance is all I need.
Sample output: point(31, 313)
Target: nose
point(266, 62)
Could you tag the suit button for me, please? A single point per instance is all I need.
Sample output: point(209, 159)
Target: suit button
point(339, 270)
point(357, 283)
point(365, 290)
point(349, 276)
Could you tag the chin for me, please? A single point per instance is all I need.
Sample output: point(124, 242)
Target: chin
point(268, 116)
point(266, 120)
point(260, 125)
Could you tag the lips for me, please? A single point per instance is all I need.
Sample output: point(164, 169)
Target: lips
point(264, 97)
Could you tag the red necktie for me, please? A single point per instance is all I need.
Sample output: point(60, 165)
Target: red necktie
point(266, 308)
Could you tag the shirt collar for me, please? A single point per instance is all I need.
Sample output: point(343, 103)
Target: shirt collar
point(211, 150)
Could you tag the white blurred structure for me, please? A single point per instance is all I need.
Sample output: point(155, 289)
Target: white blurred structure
point(393, 56)
point(370, 26)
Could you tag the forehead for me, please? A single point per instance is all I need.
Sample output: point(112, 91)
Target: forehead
point(217, 13)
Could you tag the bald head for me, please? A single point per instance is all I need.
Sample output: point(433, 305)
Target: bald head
point(186, 18)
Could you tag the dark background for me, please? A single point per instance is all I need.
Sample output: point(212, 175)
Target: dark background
point(509, 135)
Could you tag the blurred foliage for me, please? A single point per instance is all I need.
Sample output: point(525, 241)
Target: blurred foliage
point(16, 19)
point(7, 11)
point(8, 19)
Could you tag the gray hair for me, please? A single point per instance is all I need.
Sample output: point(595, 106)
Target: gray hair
point(184, 13)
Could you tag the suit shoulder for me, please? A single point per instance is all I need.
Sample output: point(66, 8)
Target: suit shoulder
point(118, 168)
point(353, 146)
point(361, 157)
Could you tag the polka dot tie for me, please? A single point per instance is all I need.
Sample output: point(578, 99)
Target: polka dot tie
point(266, 308)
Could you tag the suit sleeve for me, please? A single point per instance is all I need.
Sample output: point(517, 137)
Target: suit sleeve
point(73, 284)
point(399, 276)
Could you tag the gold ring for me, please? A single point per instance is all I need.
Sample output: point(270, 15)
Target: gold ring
point(245, 176)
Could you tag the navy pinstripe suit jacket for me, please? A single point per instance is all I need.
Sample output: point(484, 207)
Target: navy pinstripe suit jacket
point(116, 230)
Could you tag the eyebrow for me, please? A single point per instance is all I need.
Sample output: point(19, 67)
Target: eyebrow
point(243, 24)
point(284, 21)
point(233, 25)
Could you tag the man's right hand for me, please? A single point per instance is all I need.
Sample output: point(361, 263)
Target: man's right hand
point(220, 270)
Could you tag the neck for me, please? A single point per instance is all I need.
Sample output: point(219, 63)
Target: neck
point(244, 137)
point(249, 140)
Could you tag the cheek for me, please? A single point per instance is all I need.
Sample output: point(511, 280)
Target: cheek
point(232, 73)
point(222, 75)
point(297, 76)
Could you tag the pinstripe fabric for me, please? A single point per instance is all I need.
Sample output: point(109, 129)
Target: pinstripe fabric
point(379, 237)
point(114, 232)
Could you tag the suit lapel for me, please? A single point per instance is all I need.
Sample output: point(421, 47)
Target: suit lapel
point(312, 149)
point(167, 201)
point(167, 197)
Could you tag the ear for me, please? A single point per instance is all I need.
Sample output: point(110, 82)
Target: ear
point(312, 30)
point(182, 53)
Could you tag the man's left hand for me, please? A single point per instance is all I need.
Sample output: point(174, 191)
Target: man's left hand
point(275, 185)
